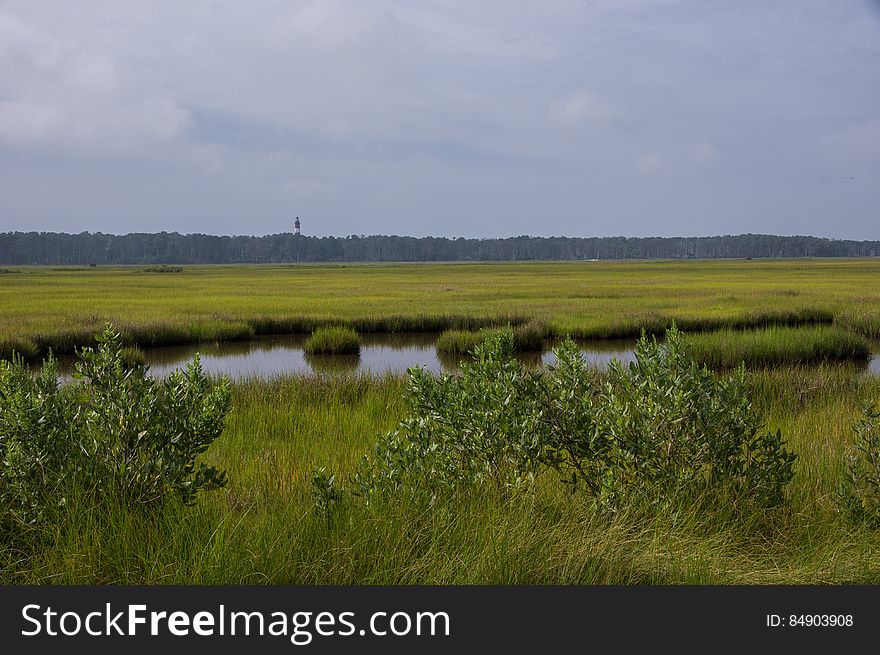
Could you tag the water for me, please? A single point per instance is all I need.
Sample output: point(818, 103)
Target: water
point(380, 353)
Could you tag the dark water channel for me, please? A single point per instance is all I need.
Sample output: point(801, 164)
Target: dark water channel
point(380, 353)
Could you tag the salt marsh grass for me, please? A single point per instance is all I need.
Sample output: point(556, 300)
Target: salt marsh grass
point(262, 528)
point(778, 346)
point(54, 308)
point(334, 340)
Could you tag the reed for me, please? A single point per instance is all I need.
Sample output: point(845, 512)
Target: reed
point(334, 340)
point(778, 346)
point(527, 337)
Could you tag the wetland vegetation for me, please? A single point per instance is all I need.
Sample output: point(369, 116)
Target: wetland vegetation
point(659, 472)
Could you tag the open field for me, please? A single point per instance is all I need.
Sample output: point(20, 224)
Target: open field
point(264, 527)
point(46, 308)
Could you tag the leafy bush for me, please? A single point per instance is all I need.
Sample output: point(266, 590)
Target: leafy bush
point(163, 268)
point(860, 489)
point(482, 426)
point(659, 429)
point(333, 341)
point(114, 431)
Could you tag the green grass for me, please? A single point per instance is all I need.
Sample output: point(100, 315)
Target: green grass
point(133, 356)
point(54, 308)
point(333, 341)
point(778, 346)
point(527, 337)
point(262, 527)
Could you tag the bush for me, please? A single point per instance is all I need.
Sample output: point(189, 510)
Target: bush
point(163, 268)
point(114, 431)
point(859, 493)
point(661, 429)
point(481, 426)
point(333, 341)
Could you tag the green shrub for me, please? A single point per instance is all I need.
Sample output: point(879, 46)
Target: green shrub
point(661, 427)
point(113, 430)
point(859, 493)
point(482, 426)
point(163, 268)
point(333, 341)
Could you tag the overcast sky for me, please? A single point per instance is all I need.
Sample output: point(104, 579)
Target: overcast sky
point(441, 117)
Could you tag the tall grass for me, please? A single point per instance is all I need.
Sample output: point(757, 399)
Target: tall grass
point(333, 341)
point(527, 337)
point(262, 528)
point(64, 308)
point(778, 346)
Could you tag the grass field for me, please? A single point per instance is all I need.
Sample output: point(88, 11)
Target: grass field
point(61, 308)
point(263, 527)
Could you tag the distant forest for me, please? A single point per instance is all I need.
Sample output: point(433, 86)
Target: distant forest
point(52, 248)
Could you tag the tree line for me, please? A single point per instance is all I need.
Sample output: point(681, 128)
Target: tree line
point(86, 248)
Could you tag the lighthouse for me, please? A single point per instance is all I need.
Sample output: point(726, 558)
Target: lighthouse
point(296, 226)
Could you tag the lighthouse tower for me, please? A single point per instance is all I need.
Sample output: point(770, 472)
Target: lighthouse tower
point(296, 226)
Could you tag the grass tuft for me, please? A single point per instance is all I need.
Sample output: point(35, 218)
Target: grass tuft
point(777, 346)
point(527, 337)
point(334, 340)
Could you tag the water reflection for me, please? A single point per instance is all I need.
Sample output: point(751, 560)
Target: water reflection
point(380, 353)
point(333, 364)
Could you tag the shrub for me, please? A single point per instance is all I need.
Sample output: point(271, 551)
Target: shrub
point(114, 431)
point(163, 268)
point(660, 427)
point(333, 341)
point(481, 426)
point(859, 493)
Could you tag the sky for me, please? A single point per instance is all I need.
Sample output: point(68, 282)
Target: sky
point(441, 117)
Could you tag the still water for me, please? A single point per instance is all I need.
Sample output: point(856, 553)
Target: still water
point(380, 353)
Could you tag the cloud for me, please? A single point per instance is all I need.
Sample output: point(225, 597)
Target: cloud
point(63, 95)
point(495, 117)
point(676, 160)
